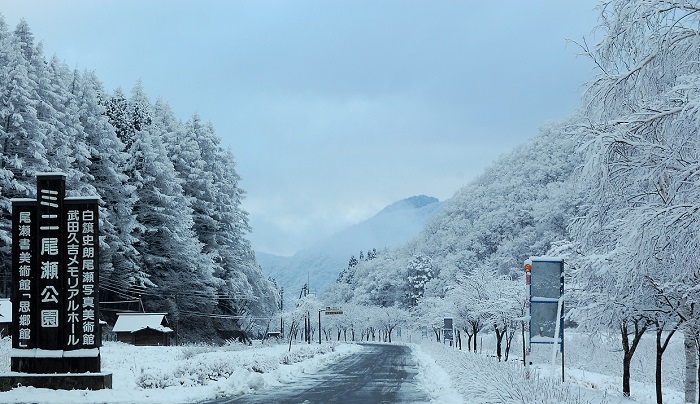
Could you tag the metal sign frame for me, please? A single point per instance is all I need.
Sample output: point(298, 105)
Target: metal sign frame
point(545, 313)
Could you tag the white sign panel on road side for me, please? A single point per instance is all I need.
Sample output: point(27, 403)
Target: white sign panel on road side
point(333, 310)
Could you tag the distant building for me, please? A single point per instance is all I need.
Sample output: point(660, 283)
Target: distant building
point(5, 317)
point(143, 329)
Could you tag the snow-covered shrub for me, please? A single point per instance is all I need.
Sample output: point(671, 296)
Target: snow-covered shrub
point(201, 364)
point(489, 381)
point(299, 355)
point(190, 350)
point(5, 350)
point(234, 345)
point(153, 379)
point(506, 383)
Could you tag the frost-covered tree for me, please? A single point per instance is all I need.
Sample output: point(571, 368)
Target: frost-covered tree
point(120, 262)
point(242, 274)
point(23, 140)
point(371, 254)
point(489, 299)
point(22, 136)
point(601, 299)
point(66, 150)
point(6, 176)
point(641, 148)
point(210, 184)
point(391, 317)
point(169, 248)
point(301, 317)
point(117, 109)
point(420, 272)
point(171, 253)
point(432, 311)
point(381, 282)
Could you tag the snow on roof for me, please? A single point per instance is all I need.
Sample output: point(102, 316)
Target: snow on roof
point(5, 311)
point(132, 322)
point(546, 259)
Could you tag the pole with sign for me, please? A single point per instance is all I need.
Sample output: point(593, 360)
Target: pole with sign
point(526, 321)
point(329, 311)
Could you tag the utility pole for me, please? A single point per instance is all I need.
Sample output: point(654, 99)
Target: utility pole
point(177, 323)
point(308, 330)
point(307, 318)
point(281, 311)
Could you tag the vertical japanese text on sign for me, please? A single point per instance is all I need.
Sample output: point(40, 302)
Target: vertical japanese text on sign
point(82, 326)
point(23, 262)
point(50, 194)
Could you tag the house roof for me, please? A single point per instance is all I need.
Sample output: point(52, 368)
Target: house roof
point(133, 322)
point(5, 311)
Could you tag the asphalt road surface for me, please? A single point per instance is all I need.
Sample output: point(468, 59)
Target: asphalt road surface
point(377, 374)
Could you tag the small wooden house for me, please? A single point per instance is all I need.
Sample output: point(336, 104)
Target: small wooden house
point(5, 317)
point(143, 329)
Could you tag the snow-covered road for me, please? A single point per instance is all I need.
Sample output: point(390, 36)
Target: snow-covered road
point(379, 373)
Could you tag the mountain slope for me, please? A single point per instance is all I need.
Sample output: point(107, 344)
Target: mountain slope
point(321, 263)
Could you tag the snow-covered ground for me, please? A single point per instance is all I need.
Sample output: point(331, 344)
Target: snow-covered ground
point(186, 374)
point(593, 369)
point(197, 373)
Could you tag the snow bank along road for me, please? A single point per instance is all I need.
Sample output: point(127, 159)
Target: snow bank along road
point(377, 374)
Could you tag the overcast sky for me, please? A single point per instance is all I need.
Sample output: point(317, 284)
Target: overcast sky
point(335, 109)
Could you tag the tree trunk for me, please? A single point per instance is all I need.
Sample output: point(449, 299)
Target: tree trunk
point(469, 339)
point(509, 341)
point(698, 356)
point(499, 341)
point(629, 349)
point(660, 349)
point(437, 334)
point(292, 331)
point(691, 366)
point(626, 361)
point(659, 356)
point(310, 332)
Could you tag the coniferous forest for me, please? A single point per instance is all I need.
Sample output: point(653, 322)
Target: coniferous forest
point(173, 232)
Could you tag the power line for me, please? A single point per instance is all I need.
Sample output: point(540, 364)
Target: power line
point(121, 301)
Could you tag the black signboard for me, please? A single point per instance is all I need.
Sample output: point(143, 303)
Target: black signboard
point(55, 267)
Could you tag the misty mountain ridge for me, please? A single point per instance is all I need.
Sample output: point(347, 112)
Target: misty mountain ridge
point(323, 261)
point(414, 202)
